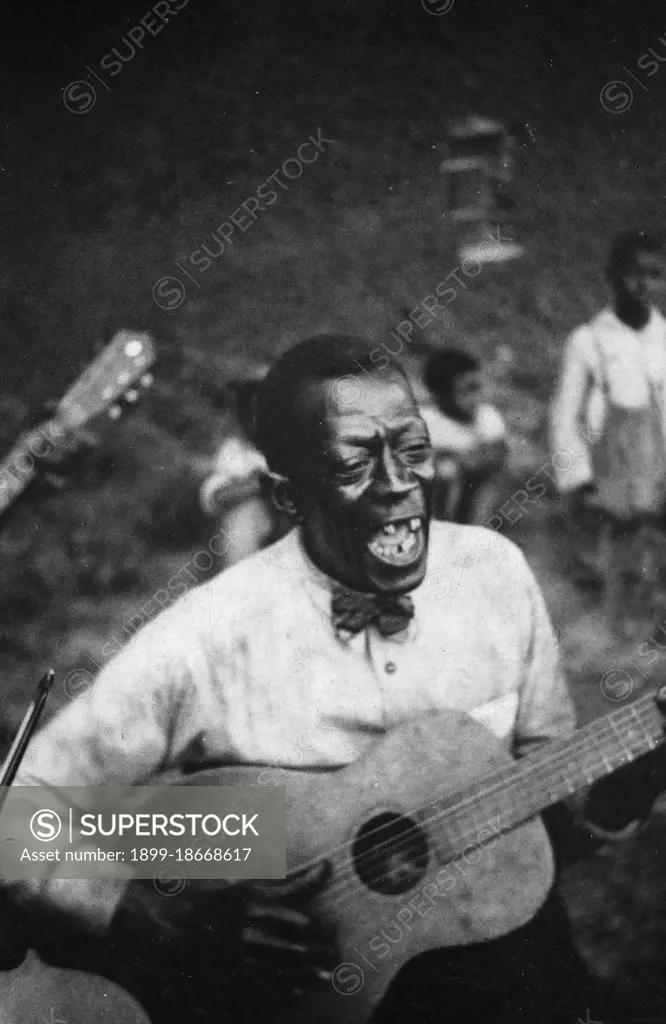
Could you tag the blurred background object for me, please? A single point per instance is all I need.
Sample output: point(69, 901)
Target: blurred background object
point(479, 174)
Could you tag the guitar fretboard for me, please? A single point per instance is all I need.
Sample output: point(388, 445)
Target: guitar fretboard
point(510, 796)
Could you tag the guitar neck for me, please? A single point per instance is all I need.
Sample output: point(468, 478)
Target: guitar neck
point(527, 787)
point(114, 372)
point(16, 472)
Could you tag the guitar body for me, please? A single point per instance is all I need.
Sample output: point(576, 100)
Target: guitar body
point(38, 992)
point(407, 898)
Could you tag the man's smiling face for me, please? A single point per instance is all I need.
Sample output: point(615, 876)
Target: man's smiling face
point(365, 482)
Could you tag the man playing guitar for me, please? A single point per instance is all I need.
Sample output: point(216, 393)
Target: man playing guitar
point(365, 616)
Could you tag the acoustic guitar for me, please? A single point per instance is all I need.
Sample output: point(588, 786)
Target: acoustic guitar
point(434, 840)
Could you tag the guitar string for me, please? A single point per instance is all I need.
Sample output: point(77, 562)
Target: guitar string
point(522, 770)
point(642, 712)
point(531, 771)
point(455, 846)
point(412, 841)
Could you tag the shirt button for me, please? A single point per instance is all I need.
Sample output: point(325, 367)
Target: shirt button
point(390, 667)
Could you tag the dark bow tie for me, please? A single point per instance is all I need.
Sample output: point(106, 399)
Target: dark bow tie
point(353, 612)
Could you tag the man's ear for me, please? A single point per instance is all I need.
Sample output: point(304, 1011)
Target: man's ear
point(281, 493)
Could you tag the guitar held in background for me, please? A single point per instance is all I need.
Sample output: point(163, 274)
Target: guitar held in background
point(115, 375)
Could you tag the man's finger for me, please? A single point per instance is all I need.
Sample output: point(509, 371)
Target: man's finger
point(266, 946)
point(258, 942)
point(280, 915)
point(312, 947)
point(299, 933)
point(284, 956)
point(296, 980)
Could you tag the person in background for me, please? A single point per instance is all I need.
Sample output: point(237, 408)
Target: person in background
point(468, 436)
point(608, 414)
point(235, 492)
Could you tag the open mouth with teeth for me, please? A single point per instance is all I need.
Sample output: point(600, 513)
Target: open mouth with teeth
point(398, 543)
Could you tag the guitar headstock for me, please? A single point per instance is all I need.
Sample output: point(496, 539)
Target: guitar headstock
point(115, 374)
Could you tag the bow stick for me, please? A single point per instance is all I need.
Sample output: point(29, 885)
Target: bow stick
point(25, 731)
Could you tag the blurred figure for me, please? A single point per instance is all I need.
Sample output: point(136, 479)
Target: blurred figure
point(235, 492)
point(608, 419)
point(468, 436)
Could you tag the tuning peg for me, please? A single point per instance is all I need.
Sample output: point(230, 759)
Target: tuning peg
point(115, 412)
point(147, 380)
point(131, 395)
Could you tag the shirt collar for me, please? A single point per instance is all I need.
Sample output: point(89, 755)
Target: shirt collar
point(321, 588)
point(611, 321)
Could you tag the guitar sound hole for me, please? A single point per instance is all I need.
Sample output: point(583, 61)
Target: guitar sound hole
point(390, 854)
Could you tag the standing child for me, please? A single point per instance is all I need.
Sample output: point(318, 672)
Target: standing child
point(468, 436)
point(609, 410)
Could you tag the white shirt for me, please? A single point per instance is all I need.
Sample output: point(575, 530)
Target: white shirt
point(237, 463)
point(452, 436)
point(629, 360)
point(247, 668)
